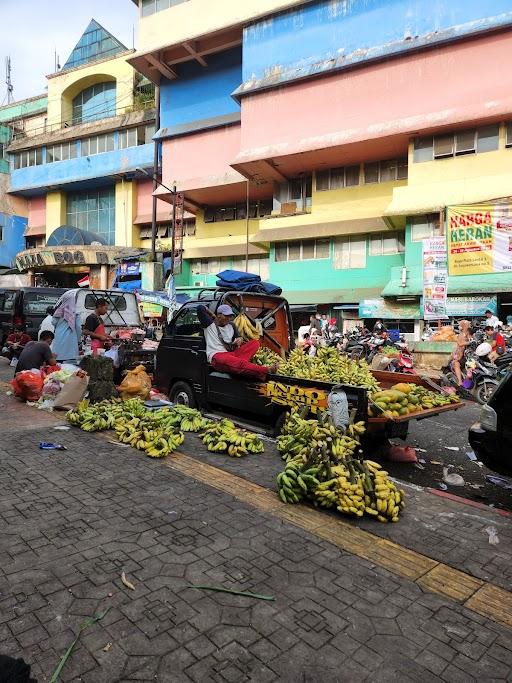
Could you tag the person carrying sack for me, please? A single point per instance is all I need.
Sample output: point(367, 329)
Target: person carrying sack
point(225, 349)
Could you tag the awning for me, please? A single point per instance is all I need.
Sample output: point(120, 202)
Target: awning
point(388, 310)
point(274, 231)
point(330, 296)
point(347, 307)
point(302, 308)
point(35, 231)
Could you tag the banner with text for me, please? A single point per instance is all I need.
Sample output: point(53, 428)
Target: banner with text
point(479, 239)
point(435, 278)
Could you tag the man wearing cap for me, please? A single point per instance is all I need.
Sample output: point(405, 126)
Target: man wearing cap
point(225, 348)
point(491, 319)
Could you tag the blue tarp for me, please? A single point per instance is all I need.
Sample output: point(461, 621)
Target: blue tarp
point(245, 282)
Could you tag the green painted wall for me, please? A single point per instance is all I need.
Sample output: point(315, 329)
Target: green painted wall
point(5, 138)
point(320, 274)
point(23, 108)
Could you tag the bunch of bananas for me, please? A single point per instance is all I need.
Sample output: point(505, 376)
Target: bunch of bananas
point(267, 357)
point(187, 419)
point(248, 328)
point(147, 435)
point(321, 467)
point(299, 436)
point(295, 482)
point(94, 418)
point(329, 366)
point(224, 437)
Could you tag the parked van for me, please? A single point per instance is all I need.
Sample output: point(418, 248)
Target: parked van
point(25, 307)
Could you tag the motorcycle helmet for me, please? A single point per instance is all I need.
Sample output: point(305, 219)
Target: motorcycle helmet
point(483, 349)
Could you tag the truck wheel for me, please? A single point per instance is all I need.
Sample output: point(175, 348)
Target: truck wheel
point(278, 427)
point(182, 394)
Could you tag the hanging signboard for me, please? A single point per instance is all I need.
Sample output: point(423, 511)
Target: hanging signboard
point(435, 278)
point(479, 239)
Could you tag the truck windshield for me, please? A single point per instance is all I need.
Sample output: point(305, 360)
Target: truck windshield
point(36, 303)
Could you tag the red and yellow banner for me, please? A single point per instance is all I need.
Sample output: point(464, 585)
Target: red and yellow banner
point(479, 239)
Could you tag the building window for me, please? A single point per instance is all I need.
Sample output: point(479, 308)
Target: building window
point(336, 178)
point(93, 211)
point(423, 227)
point(386, 244)
point(295, 194)
point(302, 250)
point(31, 157)
point(208, 266)
point(97, 144)
point(349, 252)
point(61, 152)
point(220, 214)
point(258, 265)
point(151, 6)
point(96, 102)
point(127, 138)
point(508, 134)
point(460, 143)
point(385, 171)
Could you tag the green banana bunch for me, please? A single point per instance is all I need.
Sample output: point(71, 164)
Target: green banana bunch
point(267, 357)
point(224, 436)
point(328, 365)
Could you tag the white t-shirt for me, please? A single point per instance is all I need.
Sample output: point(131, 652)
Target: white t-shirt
point(493, 321)
point(46, 325)
point(213, 343)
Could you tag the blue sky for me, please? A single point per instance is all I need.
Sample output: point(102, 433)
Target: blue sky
point(33, 29)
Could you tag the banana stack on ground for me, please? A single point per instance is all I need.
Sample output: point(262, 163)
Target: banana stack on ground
point(321, 467)
point(248, 328)
point(329, 366)
point(185, 418)
point(267, 357)
point(225, 437)
point(134, 425)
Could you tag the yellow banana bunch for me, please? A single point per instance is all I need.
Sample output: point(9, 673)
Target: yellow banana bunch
point(248, 328)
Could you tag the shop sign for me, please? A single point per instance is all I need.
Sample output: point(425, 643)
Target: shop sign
point(72, 257)
point(479, 239)
point(293, 395)
point(471, 306)
point(388, 310)
point(435, 278)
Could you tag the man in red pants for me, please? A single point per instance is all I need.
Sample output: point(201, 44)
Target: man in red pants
point(225, 349)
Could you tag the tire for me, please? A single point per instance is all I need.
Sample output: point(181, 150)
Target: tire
point(485, 391)
point(278, 427)
point(182, 393)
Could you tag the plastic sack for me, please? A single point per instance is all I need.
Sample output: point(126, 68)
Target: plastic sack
point(27, 385)
point(113, 354)
point(338, 406)
point(137, 383)
point(402, 454)
point(72, 392)
point(51, 387)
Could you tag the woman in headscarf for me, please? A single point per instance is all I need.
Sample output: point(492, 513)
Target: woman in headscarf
point(463, 339)
point(68, 329)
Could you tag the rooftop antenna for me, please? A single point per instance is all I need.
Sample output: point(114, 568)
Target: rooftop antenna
point(56, 60)
point(8, 81)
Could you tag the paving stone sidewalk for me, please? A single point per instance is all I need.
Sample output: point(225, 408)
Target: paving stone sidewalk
point(74, 520)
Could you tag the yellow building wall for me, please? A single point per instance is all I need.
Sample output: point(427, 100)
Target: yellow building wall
point(466, 179)
point(200, 17)
point(64, 86)
point(127, 235)
point(55, 211)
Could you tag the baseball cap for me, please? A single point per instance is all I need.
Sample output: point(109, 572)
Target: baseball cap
point(225, 309)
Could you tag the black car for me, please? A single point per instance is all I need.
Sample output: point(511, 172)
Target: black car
point(491, 438)
point(25, 307)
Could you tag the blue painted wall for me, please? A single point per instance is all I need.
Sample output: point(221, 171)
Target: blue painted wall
point(13, 228)
point(329, 34)
point(97, 166)
point(202, 92)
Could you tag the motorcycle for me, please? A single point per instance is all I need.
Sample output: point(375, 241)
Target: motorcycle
point(404, 363)
point(480, 375)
